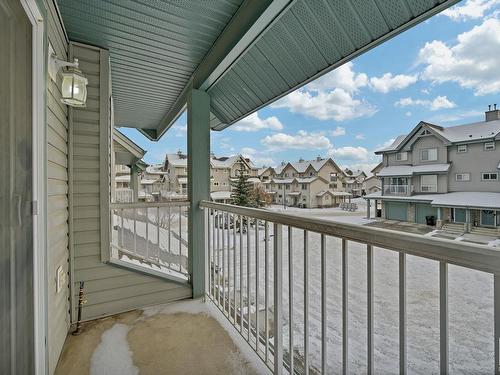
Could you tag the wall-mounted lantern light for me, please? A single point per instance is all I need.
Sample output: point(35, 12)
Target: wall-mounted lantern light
point(74, 83)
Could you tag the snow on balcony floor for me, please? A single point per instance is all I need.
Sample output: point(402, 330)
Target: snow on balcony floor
point(189, 337)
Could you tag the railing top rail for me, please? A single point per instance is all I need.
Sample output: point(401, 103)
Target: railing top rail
point(468, 255)
point(179, 203)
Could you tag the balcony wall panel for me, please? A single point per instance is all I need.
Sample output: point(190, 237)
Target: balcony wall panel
point(108, 289)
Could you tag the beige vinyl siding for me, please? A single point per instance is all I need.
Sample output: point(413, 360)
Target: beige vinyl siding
point(57, 196)
point(108, 289)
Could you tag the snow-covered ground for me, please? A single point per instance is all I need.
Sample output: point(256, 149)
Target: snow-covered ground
point(470, 297)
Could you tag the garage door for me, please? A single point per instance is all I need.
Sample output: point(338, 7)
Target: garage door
point(423, 210)
point(396, 210)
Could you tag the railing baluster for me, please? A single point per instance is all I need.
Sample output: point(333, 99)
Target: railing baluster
point(290, 298)
point(209, 250)
point(147, 233)
point(266, 287)
point(278, 299)
point(345, 310)
point(257, 286)
point(158, 230)
point(306, 302)
point(223, 271)
point(212, 264)
point(324, 348)
point(496, 314)
point(123, 228)
point(402, 315)
point(180, 238)
point(169, 234)
point(234, 268)
point(369, 300)
point(248, 280)
point(228, 267)
point(241, 274)
point(135, 231)
point(443, 317)
point(217, 217)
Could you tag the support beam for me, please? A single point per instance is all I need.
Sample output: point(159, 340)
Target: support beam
point(198, 137)
point(134, 182)
point(368, 208)
point(467, 220)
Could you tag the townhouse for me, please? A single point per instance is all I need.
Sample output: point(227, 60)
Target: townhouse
point(306, 183)
point(354, 182)
point(449, 174)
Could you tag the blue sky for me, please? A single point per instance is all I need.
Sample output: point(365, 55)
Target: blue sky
point(445, 71)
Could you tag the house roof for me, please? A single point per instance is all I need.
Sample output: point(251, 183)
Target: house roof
point(215, 195)
point(473, 132)
point(410, 170)
point(182, 180)
point(177, 160)
point(156, 169)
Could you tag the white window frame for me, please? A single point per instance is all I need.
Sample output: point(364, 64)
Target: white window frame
point(463, 150)
point(489, 146)
point(428, 154)
point(428, 187)
point(462, 174)
point(402, 156)
point(489, 179)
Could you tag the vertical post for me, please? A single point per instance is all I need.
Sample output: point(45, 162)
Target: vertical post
point(345, 309)
point(324, 347)
point(369, 299)
point(367, 208)
point(443, 317)
point(496, 314)
point(402, 315)
point(278, 299)
point(134, 182)
point(198, 140)
point(467, 220)
point(306, 302)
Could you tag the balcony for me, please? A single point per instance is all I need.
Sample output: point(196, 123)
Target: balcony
point(403, 190)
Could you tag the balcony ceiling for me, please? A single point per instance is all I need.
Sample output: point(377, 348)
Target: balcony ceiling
point(245, 53)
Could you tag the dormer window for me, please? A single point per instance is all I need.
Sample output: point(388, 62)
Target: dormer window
point(489, 146)
point(461, 149)
point(402, 156)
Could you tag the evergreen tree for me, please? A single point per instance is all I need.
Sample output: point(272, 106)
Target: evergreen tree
point(242, 190)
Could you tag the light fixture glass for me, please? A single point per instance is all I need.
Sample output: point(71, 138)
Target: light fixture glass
point(74, 87)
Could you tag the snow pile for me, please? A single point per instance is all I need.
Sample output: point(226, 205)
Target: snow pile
point(113, 356)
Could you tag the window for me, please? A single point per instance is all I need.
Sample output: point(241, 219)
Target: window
point(216, 184)
point(428, 183)
point(287, 187)
point(304, 186)
point(402, 156)
point(461, 149)
point(333, 177)
point(462, 177)
point(425, 132)
point(429, 155)
point(489, 176)
point(489, 146)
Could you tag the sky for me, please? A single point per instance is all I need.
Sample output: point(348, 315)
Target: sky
point(445, 70)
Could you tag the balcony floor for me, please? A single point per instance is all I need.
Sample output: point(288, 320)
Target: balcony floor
point(181, 338)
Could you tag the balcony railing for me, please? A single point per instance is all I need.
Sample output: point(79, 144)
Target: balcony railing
point(151, 237)
point(306, 296)
point(397, 190)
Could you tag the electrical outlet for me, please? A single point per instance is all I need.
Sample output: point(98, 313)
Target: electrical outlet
point(60, 279)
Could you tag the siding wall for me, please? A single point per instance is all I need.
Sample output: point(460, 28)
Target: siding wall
point(108, 289)
point(57, 199)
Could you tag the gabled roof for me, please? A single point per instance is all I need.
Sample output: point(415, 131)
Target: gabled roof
point(410, 170)
point(261, 171)
point(176, 160)
point(377, 168)
point(473, 132)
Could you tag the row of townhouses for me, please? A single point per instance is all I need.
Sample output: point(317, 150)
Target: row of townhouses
point(311, 183)
point(449, 175)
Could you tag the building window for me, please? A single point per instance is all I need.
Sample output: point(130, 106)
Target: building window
point(402, 156)
point(428, 183)
point(462, 177)
point(429, 155)
point(333, 177)
point(216, 184)
point(489, 176)
point(461, 149)
point(304, 186)
point(489, 146)
point(287, 187)
point(425, 132)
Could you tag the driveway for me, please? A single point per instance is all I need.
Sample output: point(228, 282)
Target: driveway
point(401, 226)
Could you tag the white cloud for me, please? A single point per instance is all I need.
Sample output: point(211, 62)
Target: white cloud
point(388, 82)
point(385, 144)
point(425, 91)
point(439, 102)
point(180, 130)
point(360, 136)
point(257, 157)
point(253, 123)
point(472, 62)
point(338, 105)
point(300, 141)
point(343, 78)
point(366, 167)
point(349, 153)
point(408, 114)
point(339, 130)
point(470, 9)
point(456, 116)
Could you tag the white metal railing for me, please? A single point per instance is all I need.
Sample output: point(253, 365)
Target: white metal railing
point(152, 236)
point(397, 189)
point(258, 259)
